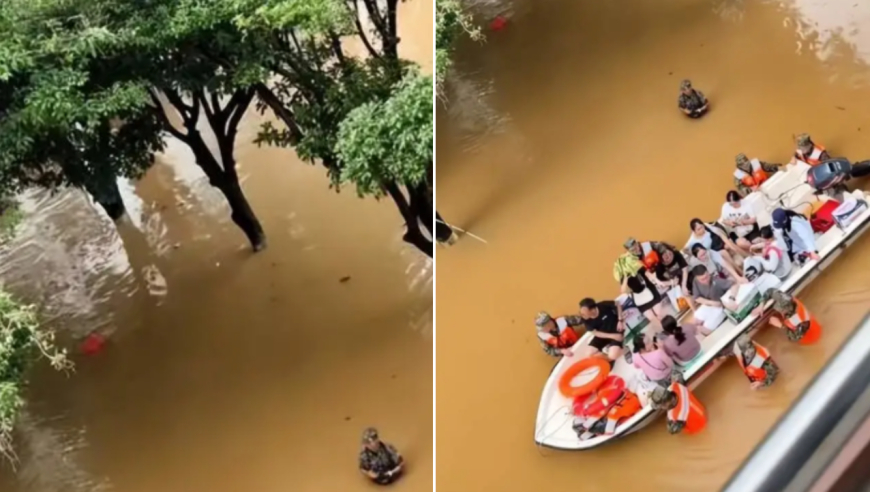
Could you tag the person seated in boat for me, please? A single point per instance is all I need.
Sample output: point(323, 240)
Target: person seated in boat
point(605, 321)
point(768, 256)
point(790, 314)
point(742, 221)
point(708, 289)
point(648, 253)
point(692, 102)
point(808, 151)
point(684, 412)
point(557, 335)
point(796, 232)
point(756, 362)
point(378, 460)
point(671, 270)
point(714, 263)
point(680, 342)
point(751, 173)
point(652, 360)
point(713, 238)
point(644, 295)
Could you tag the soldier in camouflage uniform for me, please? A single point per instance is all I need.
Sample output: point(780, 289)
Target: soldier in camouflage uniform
point(662, 398)
point(744, 165)
point(378, 460)
point(692, 102)
point(785, 307)
point(548, 329)
point(748, 351)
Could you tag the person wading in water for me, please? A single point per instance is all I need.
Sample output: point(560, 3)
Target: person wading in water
point(692, 101)
point(378, 460)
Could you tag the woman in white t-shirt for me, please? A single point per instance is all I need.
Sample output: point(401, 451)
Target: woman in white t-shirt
point(742, 221)
point(713, 238)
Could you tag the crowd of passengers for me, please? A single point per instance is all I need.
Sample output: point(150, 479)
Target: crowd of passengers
point(716, 259)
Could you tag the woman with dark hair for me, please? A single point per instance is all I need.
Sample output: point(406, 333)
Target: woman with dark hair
point(645, 296)
point(713, 238)
point(741, 220)
point(655, 364)
point(680, 342)
point(714, 262)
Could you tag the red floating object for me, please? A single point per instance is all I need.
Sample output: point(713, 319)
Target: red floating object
point(498, 23)
point(93, 344)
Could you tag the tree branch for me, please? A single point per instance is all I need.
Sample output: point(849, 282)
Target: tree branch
point(268, 97)
point(165, 119)
point(361, 31)
point(210, 114)
point(376, 17)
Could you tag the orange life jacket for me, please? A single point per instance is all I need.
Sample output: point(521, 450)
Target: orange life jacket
point(625, 408)
point(802, 314)
point(753, 369)
point(567, 336)
point(648, 256)
point(688, 410)
point(758, 176)
point(814, 157)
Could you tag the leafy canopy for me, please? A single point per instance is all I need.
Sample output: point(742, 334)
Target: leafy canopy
point(450, 21)
point(390, 140)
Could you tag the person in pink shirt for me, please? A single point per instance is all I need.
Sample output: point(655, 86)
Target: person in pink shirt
point(653, 361)
point(679, 342)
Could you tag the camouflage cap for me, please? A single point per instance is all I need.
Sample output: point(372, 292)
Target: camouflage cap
point(659, 396)
point(803, 140)
point(782, 302)
point(685, 85)
point(370, 435)
point(744, 342)
point(542, 319)
point(741, 159)
point(630, 243)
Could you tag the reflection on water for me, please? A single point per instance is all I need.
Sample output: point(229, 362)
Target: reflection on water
point(594, 151)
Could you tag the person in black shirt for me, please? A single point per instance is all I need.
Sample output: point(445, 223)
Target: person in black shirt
point(672, 269)
point(605, 321)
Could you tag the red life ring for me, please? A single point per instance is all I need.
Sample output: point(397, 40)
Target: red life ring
point(570, 391)
point(599, 402)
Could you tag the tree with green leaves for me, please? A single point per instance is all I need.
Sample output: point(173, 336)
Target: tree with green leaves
point(451, 20)
point(97, 83)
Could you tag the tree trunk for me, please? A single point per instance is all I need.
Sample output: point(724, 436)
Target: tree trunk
point(109, 197)
point(421, 204)
point(228, 183)
point(443, 232)
point(242, 213)
point(413, 235)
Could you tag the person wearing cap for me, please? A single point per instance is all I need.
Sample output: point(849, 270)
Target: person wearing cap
point(685, 413)
point(747, 177)
point(796, 232)
point(378, 460)
point(692, 101)
point(557, 335)
point(756, 362)
point(808, 151)
point(649, 253)
point(791, 314)
point(605, 320)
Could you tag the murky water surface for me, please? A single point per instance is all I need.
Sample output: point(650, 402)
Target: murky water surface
point(226, 371)
point(562, 138)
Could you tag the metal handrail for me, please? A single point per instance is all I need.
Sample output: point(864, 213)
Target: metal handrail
point(819, 426)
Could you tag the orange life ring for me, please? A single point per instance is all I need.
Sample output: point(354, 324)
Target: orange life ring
point(599, 402)
point(570, 391)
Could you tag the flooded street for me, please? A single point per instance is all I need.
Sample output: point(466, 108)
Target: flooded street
point(561, 139)
point(227, 371)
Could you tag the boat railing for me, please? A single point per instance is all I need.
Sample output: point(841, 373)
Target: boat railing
point(822, 444)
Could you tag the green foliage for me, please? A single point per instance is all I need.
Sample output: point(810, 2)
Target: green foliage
point(390, 140)
point(450, 21)
point(22, 340)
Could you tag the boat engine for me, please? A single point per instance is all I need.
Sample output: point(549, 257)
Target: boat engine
point(833, 172)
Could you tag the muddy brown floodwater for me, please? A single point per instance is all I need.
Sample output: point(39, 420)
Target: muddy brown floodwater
point(224, 371)
point(562, 138)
